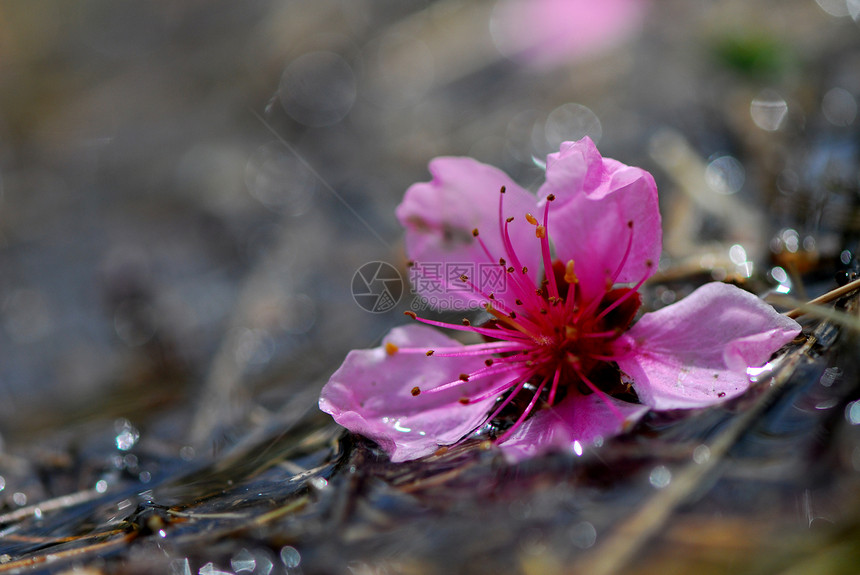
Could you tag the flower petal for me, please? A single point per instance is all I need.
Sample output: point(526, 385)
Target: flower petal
point(546, 33)
point(605, 217)
point(439, 217)
point(371, 394)
point(577, 418)
point(695, 353)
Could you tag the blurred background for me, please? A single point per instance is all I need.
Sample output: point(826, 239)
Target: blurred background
point(187, 189)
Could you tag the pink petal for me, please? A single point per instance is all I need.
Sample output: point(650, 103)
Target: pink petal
point(550, 32)
point(582, 419)
point(371, 394)
point(439, 217)
point(695, 353)
point(590, 220)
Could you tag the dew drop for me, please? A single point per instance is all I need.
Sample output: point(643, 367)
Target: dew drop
point(852, 413)
point(738, 254)
point(290, 557)
point(725, 175)
point(839, 107)
point(583, 535)
point(571, 122)
point(701, 454)
point(187, 453)
point(827, 403)
point(279, 180)
point(126, 434)
point(318, 483)
point(318, 89)
point(660, 477)
point(243, 561)
point(830, 376)
point(768, 110)
point(837, 8)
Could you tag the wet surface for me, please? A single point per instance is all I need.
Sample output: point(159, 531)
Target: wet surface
point(187, 193)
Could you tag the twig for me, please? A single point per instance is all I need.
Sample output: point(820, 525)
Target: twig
point(802, 309)
point(619, 549)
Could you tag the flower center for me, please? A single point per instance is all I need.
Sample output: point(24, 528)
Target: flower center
point(548, 338)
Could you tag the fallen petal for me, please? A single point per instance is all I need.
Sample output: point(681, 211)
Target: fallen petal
point(571, 425)
point(695, 353)
point(372, 394)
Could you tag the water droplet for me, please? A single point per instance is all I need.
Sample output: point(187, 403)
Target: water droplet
point(839, 107)
point(243, 561)
point(401, 428)
point(725, 175)
point(779, 275)
point(210, 569)
point(827, 403)
point(790, 240)
point(837, 8)
point(101, 486)
point(583, 535)
point(290, 557)
point(830, 376)
point(738, 254)
point(318, 483)
point(318, 89)
point(852, 413)
point(126, 434)
point(279, 180)
point(19, 499)
point(577, 448)
point(571, 122)
point(757, 374)
point(660, 477)
point(2, 483)
point(701, 454)
point(254, 347)
point(187, 453)
point(37, 514)
point(855, 458)
point(788, 182)
point(134, 323)
point(845, 257)
point(768, 110)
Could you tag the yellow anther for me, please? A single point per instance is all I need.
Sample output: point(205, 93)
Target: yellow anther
point(569, 275)
point(570, 332)
point(531, 219)
point(390, 348)
point(540, 232)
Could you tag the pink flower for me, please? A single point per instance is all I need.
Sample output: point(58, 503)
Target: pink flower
point(557, 277)
point(545, 33)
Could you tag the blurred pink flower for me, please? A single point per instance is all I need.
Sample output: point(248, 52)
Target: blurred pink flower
point(551, 32)
point(558, 332)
